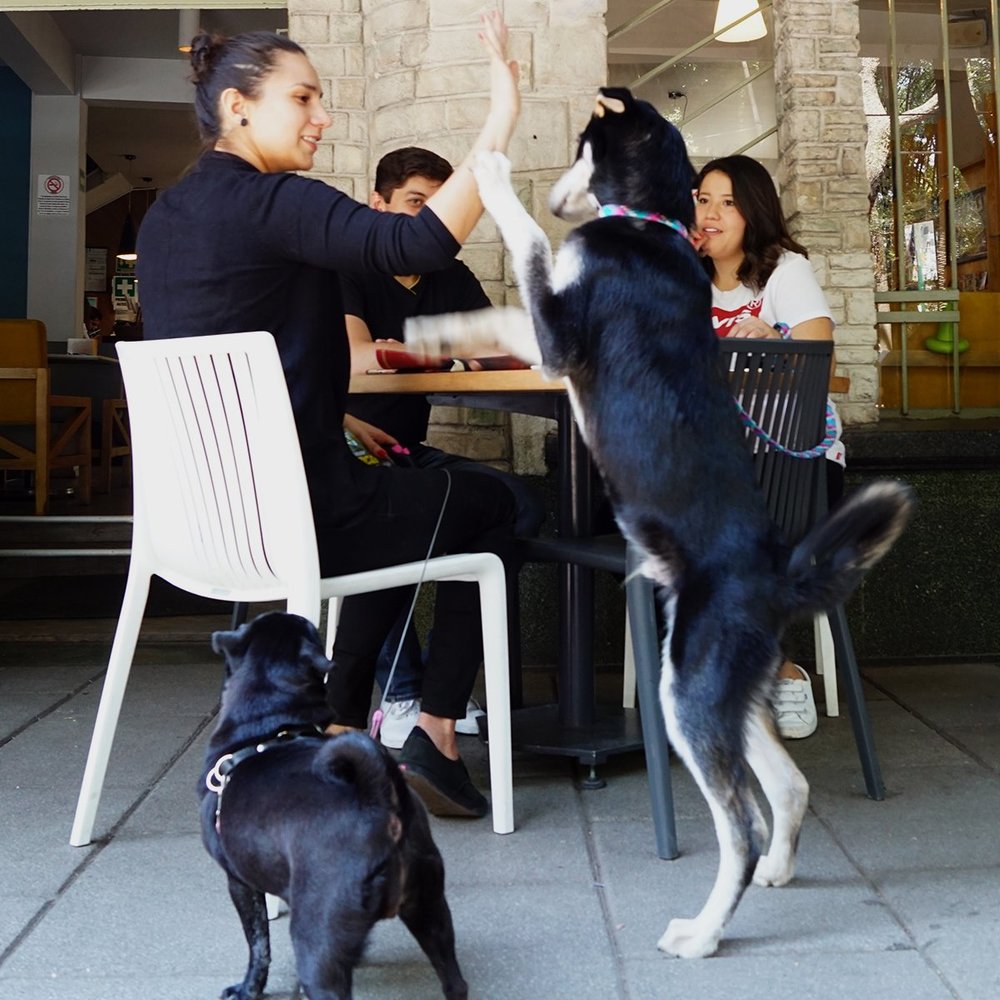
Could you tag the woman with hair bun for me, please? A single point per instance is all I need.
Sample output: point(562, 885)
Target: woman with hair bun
point(243, 242)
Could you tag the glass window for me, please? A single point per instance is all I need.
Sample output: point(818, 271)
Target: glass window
point(931, 161)
point(719, 94)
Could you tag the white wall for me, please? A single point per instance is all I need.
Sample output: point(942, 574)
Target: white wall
point(55, 242)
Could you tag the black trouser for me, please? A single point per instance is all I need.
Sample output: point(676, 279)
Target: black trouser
point(403, 649)
point(478, 517)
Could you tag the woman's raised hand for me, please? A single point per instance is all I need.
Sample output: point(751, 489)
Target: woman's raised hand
point(456, 203)
point(505, 98)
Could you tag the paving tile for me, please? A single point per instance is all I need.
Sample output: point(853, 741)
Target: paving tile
point(514, 943)
point(935, 817)
point(893, 899)
point(876, 975)
point(829, 906)
point(954, 916)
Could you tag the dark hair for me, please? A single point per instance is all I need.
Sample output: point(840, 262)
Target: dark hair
point(766, 235)
point(397, 167)
point(241, 62)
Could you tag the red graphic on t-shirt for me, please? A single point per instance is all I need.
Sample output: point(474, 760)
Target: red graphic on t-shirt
point(725, 319)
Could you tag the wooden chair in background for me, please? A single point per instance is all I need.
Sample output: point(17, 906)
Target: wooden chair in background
point(39, 432)
point(116, 442)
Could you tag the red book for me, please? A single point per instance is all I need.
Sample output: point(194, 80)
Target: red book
point(393, 359)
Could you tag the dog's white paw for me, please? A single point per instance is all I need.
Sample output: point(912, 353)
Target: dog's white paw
point(423, 333)
point(688, 939)
point(774, 870)
point(492, 172)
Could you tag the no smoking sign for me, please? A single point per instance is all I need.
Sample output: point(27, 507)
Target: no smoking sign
point(52, 195)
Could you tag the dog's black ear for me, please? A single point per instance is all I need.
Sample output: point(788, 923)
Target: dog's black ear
point(308, 629)
point(311, 647)
point(616, 100)
point(311, 654)
point(225, 642)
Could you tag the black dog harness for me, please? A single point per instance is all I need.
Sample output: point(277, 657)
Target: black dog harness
point(218, 777)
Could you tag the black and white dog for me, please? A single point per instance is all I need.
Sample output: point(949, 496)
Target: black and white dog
point(328, 823)
point(623, 315)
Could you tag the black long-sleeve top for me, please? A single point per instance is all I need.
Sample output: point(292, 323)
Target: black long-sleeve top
point(229, 249)
point(385, 305)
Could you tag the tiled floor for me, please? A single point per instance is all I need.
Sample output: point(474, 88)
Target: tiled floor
point(898, 899)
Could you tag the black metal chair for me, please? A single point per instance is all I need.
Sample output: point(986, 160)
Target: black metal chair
point(782, 387)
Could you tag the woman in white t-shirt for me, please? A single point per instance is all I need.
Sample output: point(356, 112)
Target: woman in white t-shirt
point(761, 278)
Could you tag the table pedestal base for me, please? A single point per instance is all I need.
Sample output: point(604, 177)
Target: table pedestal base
point(613, 730)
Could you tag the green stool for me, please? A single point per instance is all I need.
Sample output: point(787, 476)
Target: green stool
point(943, 342)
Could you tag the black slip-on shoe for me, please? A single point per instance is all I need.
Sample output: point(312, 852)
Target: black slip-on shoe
point(444, 785)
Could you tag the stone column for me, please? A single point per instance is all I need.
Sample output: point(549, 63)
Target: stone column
point(564, 53)
point(821, 173)
point(331, 32)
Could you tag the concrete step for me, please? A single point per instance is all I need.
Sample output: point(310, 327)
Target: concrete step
point(70, 545)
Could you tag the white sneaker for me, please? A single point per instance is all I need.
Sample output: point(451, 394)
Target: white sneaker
point(469, 726)
point(399, 718)
point(794, 707)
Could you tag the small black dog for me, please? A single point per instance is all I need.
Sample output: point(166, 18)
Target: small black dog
point(327, 823)
point(623, 315)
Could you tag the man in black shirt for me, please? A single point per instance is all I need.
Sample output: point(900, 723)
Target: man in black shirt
point(376, 306)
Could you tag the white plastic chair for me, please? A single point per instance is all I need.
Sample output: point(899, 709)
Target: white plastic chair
point(221, 509)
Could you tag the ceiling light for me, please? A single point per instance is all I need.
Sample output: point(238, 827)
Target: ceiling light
point(126, 243)
point(188, 25)
point(746, 31)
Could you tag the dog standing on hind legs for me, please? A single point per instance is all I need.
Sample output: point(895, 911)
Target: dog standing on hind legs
point(623, 315)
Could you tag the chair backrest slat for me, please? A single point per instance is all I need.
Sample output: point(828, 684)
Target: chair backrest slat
point(22, 345)
point(782, 386)
point(221, 501)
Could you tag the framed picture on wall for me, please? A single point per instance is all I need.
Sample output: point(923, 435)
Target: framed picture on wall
point(96, 270)
point(921, 253)
point(970, 225)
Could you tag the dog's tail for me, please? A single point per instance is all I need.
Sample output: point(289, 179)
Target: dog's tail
point(356, 759)
point(826, 566)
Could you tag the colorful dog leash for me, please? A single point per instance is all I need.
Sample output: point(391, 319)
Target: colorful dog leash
point(829, 437)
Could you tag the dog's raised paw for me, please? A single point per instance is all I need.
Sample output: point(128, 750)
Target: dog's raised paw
point(491, 167)
point(687, 939)
point(492, 172)
point(425, 333)
point(774, 870)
